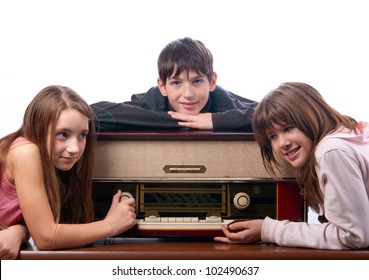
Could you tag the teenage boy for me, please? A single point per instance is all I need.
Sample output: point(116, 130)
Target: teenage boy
point(186, 97)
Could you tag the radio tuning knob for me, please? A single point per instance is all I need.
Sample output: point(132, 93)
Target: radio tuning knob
point(125, 195)
point(241, 200)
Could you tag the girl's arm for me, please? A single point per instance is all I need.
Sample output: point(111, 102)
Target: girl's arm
point(345, 206)
point(11, 239)
point(27, 174)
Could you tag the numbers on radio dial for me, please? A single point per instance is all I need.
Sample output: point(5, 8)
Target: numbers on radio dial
point(241, 200)
point(125, 195)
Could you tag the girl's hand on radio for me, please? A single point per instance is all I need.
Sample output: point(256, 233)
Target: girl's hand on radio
point(121, 215)
point(241, 232)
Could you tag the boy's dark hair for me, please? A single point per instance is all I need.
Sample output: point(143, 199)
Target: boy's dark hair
point(185, 55)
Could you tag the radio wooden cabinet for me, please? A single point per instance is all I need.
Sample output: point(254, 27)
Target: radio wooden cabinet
point(188, 183)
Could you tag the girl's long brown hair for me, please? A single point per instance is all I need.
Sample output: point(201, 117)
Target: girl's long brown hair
point(302, 106)
point(70, 192)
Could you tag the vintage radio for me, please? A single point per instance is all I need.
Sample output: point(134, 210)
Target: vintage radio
point(188, 183)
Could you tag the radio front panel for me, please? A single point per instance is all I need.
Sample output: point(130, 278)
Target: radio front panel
point(180, 159)
point(221, 201)
point(188, 183)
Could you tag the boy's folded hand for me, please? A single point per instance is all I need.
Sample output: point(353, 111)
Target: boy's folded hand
point(199, 121)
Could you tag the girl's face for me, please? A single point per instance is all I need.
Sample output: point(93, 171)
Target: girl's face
point(70, 139)
point(187, 93)
point(291, 144)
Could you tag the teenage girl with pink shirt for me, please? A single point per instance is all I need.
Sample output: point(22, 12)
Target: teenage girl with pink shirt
point(46, 178)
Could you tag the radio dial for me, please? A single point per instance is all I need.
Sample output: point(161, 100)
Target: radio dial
point(241, 200)
point(125, 195)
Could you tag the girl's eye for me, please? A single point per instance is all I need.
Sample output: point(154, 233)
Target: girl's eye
point(61, 135)
point(288, 128)
point(83, 135)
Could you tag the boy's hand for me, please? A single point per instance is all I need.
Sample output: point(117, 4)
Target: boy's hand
point(199, 121)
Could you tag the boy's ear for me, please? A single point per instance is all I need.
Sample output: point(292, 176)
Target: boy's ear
point(162, 88)
point(213, 83)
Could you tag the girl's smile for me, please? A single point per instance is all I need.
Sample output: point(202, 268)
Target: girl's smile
point(290, 143)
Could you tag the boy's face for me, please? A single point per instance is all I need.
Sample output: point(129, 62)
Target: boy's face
point(188, 92)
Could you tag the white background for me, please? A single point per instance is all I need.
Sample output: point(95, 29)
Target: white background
point(107, 49)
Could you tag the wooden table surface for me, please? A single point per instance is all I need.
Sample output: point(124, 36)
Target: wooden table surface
point(181, 249)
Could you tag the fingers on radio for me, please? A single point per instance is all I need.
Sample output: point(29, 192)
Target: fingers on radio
point(125, 195)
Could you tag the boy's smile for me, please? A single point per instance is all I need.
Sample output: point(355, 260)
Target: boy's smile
point(188, 92)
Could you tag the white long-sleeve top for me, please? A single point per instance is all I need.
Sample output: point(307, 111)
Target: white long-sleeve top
point(343, 172)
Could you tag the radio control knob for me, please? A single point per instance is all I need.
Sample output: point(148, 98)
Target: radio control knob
point(125, 195)
point(241, 200)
